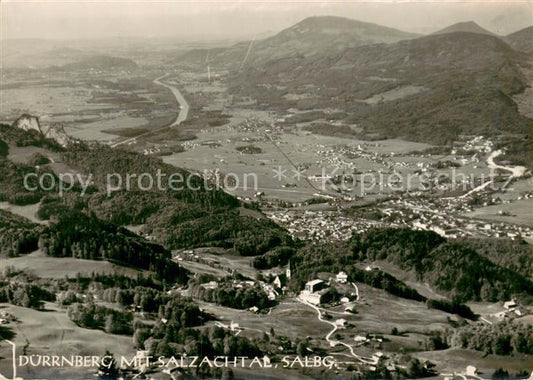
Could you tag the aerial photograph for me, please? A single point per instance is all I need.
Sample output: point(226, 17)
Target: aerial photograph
point(300, 190)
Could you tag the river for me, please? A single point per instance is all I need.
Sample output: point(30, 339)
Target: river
point(183, 112)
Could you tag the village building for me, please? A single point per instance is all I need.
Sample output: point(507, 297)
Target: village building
point(342, 277)
point(314, 286)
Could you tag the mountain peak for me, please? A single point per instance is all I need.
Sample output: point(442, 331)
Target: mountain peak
point(466, 26)
point(339, 30)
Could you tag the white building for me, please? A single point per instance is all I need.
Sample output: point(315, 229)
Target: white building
point(341, 322)
point(342, 277)
point(314, 286)
point(510, 305)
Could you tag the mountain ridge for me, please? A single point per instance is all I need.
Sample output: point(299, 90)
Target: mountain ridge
point(460, 74)
point(312, 35)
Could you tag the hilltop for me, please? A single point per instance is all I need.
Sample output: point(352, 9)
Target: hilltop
point(317, 34)
point(431, 88)
point(459, 80)
point(521, 40)
point(181, 218)
point(468, 26)
point(311, 36)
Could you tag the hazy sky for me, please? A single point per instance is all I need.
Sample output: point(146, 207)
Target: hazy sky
point(192, 20)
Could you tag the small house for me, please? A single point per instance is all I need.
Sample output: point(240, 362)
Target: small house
point(342, 277)
point(341, 322)
point(510, 305)
point(471, 371)
point(314, 286)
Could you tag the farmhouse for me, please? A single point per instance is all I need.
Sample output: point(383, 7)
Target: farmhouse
point(341, 322)
point(313, 291)
point(510, 305)
point(312, 298)
point(314, 286)
point(471, 371)
point(342, 277)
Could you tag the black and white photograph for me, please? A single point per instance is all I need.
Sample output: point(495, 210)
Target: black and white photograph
point(277, 190)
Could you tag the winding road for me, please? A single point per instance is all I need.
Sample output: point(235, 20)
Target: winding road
point(516, 171)
point(180, 117)
point(334, 342)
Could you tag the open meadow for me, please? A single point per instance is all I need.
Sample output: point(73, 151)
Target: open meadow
point(59, 267)
point(51, 332)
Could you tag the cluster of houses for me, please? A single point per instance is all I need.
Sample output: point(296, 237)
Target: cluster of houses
point(512, 309)
point(478, 144)
point(320, 225)
point(272, 290)
point(315, 290)
point(442, 216)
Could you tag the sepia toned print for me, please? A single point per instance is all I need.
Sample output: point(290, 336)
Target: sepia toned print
point(266, 190)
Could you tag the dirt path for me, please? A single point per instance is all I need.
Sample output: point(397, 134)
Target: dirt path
point(334, 342)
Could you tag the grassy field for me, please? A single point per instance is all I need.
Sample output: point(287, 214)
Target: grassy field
point(51, 332)
point(22, 154)
point(299, 321)
point(453, 358)
point(519, 212)
point(28, 211)
point(59, 267)
point(411, 318)
point(301, 148)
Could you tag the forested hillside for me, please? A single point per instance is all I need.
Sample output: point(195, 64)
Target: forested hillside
point(452, 267)
point(434, 88)
point(87, 224)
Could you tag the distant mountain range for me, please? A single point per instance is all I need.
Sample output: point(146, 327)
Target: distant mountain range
point(458, 80)
point(314, 35)
point(101, 62)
